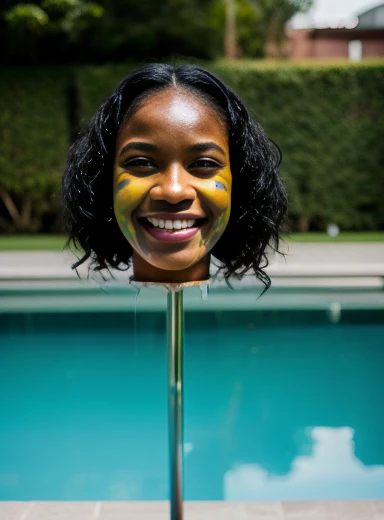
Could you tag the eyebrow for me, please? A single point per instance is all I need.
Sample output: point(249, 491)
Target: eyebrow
point(140, 146)
point(148, 147)
point(205, 147)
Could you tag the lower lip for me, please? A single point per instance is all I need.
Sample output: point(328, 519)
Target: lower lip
point(172, 236)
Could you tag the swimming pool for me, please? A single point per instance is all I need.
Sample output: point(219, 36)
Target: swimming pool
point(283, 395)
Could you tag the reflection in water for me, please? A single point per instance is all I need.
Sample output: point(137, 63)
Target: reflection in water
point(256, 387)
point(315, 477)
point(277, 405)
point(204, 290)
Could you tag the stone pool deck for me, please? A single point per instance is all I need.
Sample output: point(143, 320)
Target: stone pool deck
point(344, 264)
point(367, 510)
point(304, 264)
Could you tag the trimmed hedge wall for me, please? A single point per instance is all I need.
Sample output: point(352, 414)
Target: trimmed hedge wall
point(327, 120)
point(328, 123)
point(33, 145)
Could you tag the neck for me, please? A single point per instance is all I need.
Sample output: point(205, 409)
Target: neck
point(145, 272)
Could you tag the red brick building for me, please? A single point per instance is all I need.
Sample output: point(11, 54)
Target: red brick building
point(364, 41)
point(333, 43)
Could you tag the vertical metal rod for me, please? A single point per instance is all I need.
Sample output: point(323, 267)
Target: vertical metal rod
point(175, 384)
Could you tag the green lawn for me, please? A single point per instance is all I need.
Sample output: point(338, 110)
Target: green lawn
point(346, 236)
point(57, 242)
point(32, 242)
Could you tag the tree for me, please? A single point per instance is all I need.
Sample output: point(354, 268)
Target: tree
point(135, 31)
point(66, 19)
point(258, 22)
point(63, 31)
point(230, 30)
point(26, 23)
point(276, 14)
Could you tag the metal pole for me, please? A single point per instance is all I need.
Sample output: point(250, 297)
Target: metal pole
point(175, 384)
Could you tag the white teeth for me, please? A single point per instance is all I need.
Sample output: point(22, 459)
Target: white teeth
point(177, 224)
point(172, 224)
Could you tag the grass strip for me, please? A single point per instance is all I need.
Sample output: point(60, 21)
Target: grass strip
point(346, 236)
point(57, 242)
point(32, 242)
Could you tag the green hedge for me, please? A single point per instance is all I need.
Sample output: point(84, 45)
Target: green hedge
point(327, 120)
point(328, 123)
point(33, 145)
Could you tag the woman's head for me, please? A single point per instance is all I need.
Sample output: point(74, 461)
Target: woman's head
point(174, 147)
point(172, 185)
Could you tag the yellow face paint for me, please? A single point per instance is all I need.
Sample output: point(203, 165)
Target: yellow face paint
point(129, 192)
point(218, 193)
point(172, 183)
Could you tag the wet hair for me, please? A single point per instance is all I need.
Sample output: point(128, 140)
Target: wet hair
point(259, 200)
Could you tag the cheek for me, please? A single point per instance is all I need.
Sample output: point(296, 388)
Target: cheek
point(223, 220)
point(127, 196)
point(217, 193)
point(222, 199)
point(218, 196)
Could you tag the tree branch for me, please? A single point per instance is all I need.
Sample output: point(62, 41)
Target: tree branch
point(11, 207)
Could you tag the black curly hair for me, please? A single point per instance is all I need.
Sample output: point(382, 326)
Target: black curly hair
point(259, 200)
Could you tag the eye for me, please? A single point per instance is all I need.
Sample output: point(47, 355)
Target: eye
point(205, 164)
point(140, 165)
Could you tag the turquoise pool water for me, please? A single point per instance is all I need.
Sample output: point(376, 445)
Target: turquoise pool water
point(279, 404)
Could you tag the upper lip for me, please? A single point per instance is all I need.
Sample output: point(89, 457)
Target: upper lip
point(174, 216)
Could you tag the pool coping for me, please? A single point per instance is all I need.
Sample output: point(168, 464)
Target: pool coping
point(312, 264)
point(54, 299)
point(159, 510)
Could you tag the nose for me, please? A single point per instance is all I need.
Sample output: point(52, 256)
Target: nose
point(174, 186)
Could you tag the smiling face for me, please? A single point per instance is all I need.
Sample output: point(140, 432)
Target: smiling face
point(172, 185)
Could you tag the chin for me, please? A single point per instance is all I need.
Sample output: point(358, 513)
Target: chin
point(171, 264)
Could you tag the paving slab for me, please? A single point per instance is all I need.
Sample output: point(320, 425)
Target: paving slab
point(301, 260)
point(321, 510)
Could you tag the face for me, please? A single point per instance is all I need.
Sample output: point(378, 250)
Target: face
point(172, 183)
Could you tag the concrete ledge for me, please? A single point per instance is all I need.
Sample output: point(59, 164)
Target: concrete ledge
point(332, 510)
point(310, 261)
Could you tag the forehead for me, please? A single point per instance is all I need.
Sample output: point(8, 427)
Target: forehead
point(174, 113)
